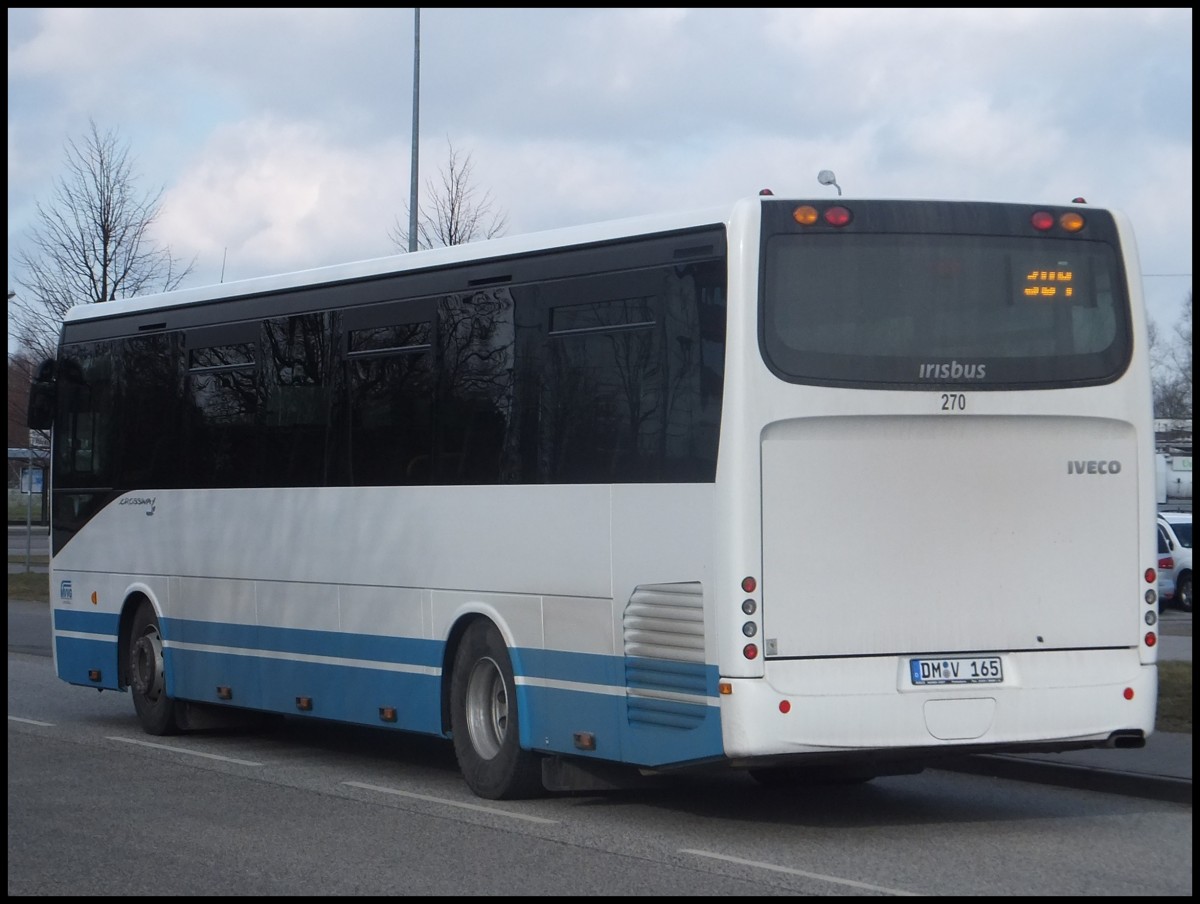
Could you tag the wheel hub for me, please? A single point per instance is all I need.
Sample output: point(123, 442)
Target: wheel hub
point(147, 673)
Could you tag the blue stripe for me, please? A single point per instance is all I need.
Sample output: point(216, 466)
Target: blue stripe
point(646, 732)
point(85, 621)
point(335, 644)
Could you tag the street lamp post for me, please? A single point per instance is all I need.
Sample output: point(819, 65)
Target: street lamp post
point(412, 185)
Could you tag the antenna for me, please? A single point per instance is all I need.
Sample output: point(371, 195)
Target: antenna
point(826, 177)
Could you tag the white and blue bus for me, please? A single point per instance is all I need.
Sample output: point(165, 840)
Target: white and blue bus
point(808, 488)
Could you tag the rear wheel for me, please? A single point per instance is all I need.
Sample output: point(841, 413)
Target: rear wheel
point(1183, 592)
point(485, 720)
point(148, 675)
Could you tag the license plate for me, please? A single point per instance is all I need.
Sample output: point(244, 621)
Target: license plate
point(975, 670)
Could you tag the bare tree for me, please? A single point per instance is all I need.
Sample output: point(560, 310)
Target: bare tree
point(20, 370)
point(1171, 363)
point(90, 243)
point(452, 214)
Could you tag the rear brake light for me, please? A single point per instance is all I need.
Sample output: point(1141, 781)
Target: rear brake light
point(838, 216)
point(1042, 221)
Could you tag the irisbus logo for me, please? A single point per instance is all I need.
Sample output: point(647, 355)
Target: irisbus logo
point(952, 371)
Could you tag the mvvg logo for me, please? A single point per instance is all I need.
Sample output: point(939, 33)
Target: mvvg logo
point(64, 590)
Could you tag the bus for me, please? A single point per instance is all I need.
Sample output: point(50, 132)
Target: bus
point(816, 490)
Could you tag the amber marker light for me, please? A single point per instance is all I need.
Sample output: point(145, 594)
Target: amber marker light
point(805, 215)
point(1071, 222)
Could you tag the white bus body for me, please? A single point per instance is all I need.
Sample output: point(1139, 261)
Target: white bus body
point(872, 576)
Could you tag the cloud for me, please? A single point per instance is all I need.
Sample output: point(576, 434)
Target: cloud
point(281, 138)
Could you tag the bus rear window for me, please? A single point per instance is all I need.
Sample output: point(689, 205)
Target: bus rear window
point(910, 310)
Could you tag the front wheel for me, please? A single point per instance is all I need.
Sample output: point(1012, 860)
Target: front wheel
point(484, 720)
point(148, 674)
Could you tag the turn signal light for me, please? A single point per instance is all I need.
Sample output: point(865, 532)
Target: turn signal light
point(805, 215)
point(1071, 222)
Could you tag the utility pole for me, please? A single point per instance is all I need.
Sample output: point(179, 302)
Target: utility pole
point(412, 185)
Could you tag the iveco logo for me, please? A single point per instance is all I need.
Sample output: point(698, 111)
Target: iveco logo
point(1094, 467)
point(952, 371)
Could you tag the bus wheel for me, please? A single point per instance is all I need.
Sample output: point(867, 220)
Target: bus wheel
point(147, 674)
point(1183, 592)
point(484, 720)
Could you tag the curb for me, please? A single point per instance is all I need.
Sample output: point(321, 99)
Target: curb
point(1089, 778)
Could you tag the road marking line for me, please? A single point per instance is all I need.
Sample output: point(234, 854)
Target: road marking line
point(31, 722)
point(209, 756)
point(866, 886)
point(451, 803)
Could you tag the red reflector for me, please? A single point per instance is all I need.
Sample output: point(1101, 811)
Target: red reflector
point(1151, 639)
point(749, 584)
point(1042, 220)
point(785, 706)
point(1151, 577)
point(750, 651)
point(1128, 693)
point(837, 216)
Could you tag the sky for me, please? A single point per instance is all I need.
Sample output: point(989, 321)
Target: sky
point(281, 139)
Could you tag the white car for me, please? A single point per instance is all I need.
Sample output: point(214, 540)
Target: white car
point(1176, 529)
point(1166, 572)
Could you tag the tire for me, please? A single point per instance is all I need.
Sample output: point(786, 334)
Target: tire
point(485, 720)
point(147, 674)
point(1183, 592)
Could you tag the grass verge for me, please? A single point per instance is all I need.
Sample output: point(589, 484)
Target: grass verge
point(1174, 677)
point(29, 585)
point(1174, 696)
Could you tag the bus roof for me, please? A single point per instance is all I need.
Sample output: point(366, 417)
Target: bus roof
point(509, 246)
